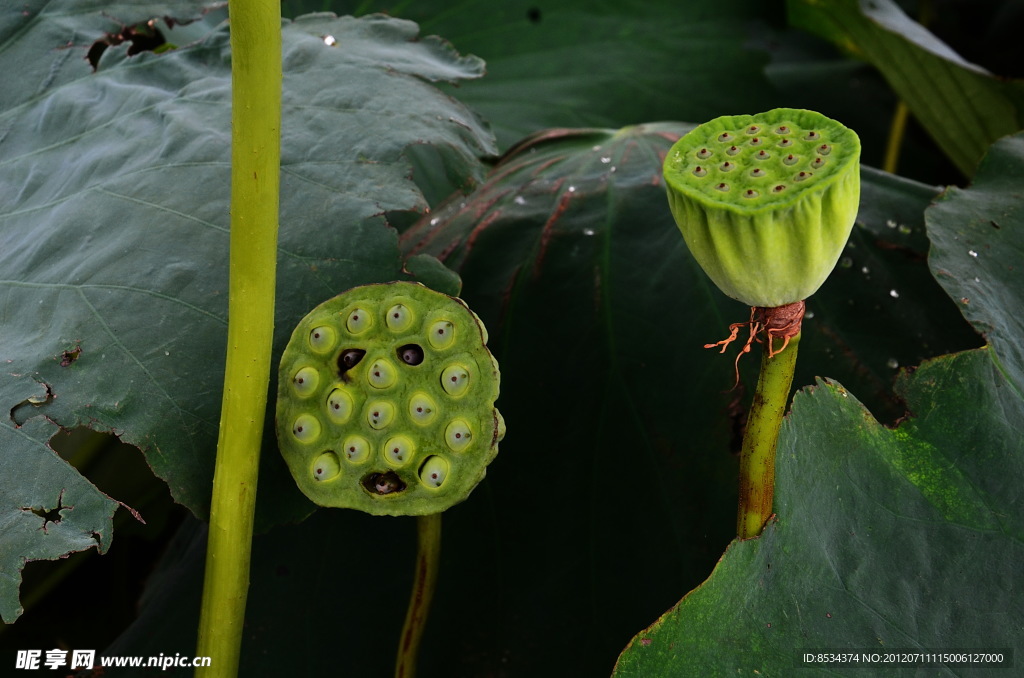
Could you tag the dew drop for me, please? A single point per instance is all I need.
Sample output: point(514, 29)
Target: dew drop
point(904, 229)
point(519, 200)
point(972, 253)
point(588, 231)
point(892, 363)
point(846, 262)
point(572, 189)
point(605, 160)
point(894, 294)
point(330, 40)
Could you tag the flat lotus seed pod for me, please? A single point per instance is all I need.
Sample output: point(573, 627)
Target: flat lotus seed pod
point(394, 413)
point(766, 202)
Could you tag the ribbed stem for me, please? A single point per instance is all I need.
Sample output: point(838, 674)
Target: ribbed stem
point(757, 458)
point(428, 529)
point(255, 171)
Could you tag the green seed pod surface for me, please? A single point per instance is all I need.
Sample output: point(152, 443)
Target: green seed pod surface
point(766, 202)
point(395, 411)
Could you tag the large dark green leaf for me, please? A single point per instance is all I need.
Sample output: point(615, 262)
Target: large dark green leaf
point(903, 537)
point(977, 251)
point(885, 538)
point(598, 315)
point(115, 230)
point(964, 107)
point(579, 63)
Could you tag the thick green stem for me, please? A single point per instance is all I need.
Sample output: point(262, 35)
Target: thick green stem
point(757, 458)
point(428, 551)
point(255, 171)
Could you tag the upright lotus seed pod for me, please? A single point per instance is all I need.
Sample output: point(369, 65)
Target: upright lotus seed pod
point(766, 202)
point(385, 401)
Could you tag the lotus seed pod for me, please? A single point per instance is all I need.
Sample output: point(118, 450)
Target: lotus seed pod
point(398, 417)
point(766, 213)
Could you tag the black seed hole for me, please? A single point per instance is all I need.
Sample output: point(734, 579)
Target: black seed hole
point(348, 359)
point(383, 483)
point(410, 354)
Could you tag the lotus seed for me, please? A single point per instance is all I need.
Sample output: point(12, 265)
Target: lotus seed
point(782, 130)
point(763, 155)
point(306, 428)
point(753, 129)
point(802, 176)
point(818, 163)
point(750, 193)
point(733, 150)
point(381, 374)
point(434, 471)
point(384, 483)
point(757, 173)
point(756, 141)
point(348, 359)
point(722, 187)
point(305, 382)
point(790, 159)
point(727, 166)
point(458, 435)
point(422, 408)
point(326, 467)
point(724, 136)
point(398, 450)
point(358, 321)
point(398, 318)
point(703, 154)
point(455, 380)
point(339, 406)
point(824, 149)
point(812, 136)
point(410, 354)
point(356, 449)
point(380, 414)
point(441, 334)
point(785, 143)
point(700, 171)
point(321, 339)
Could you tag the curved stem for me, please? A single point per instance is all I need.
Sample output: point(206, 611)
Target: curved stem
point(428, 530)
point(757, 458)
point(255, 173)
point(896, 130)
